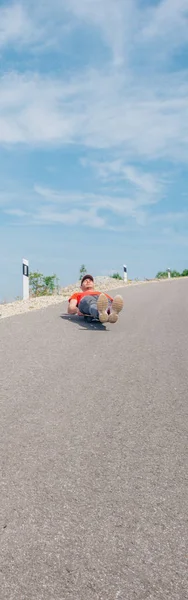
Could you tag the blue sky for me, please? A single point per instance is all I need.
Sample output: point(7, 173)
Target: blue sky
point(93, 137)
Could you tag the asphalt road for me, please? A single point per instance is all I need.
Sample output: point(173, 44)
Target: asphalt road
point(93, 452)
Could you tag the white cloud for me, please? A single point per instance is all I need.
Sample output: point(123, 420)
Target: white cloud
point(121, 205)
point(31, 110)
point(88, 218)
point(17, 27)
point(13, 24)
point(36, 26)
point(45, 205)
point(168, 20)
point(15, 212)
point(98, 110)
point(47, 23)
point(118, 170)
point(114, 107)
point(126, 26)
point(143, 181)
point(113, 18)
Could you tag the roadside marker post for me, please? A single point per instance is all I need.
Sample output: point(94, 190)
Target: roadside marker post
point(125, 273)
point(25, 271)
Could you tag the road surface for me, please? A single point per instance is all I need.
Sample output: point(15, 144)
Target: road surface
point(93, 452)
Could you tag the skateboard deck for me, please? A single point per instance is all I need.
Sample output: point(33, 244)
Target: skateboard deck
point(89, 319)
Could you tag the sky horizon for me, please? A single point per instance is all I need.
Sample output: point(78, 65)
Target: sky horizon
point(93, 138)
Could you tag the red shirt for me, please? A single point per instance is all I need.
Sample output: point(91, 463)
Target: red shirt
point(79, 295)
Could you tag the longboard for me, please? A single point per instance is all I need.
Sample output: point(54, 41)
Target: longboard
point(90, 319)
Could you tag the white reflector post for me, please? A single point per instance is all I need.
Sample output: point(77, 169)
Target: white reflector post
point(125, 273)
point(25, 264)
point(169, 273)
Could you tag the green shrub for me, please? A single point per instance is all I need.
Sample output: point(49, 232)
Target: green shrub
point(174, 274)
point(162, 275)
point(116, 276)
point(41, 285)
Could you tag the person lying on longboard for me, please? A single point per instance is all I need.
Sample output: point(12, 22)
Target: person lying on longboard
point(95, 304)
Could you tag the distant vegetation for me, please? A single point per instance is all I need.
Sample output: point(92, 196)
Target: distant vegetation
point(164, 274)
point(116, 276)
point(46, 285)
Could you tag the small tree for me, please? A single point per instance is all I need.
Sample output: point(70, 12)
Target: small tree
point(41, 285)
point(83, 271)
point(185, 273)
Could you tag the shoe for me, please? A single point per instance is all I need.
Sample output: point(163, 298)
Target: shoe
point(117, 306)
point(102, 305)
